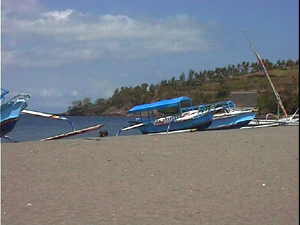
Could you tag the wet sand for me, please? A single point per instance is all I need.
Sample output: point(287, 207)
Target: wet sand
point(218, 177)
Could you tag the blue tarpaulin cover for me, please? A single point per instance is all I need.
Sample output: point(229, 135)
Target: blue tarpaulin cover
point(158, 105)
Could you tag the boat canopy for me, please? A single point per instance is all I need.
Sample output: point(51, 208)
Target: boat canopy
point(159, 104)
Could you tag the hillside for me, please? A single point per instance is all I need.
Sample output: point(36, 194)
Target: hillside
point(236, 83)
point(244, 90)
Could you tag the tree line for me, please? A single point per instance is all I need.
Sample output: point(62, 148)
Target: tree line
point(203, 87)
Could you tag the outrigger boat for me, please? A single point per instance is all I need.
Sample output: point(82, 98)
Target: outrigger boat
point(276, 121)
point(10, 111)
point(170, 115)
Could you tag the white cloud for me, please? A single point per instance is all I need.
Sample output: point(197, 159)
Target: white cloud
point(62, 37)
point(59, 15)
point(66, 55)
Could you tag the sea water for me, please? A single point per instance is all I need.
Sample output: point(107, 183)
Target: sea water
point(34, 128)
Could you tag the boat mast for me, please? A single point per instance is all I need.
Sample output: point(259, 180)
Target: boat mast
point(267, 75)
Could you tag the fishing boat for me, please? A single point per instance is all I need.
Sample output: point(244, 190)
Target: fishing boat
point(286, 119)
point(228, 116)
point(170, 115)
point(10, 110)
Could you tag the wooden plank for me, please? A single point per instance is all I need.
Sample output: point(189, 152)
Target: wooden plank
point(81, 131)
point(174, 132)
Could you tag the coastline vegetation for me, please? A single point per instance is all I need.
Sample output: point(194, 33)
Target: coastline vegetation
point(204, 87)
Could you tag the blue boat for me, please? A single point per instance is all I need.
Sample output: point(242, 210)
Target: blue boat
point(228, 116)
point(170, 115)
point(10, 110)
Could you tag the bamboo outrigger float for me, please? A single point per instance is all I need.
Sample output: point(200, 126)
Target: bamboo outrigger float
point(75, 132)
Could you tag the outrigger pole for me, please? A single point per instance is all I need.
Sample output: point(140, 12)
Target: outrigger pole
point(267, 75)
point(52, 116)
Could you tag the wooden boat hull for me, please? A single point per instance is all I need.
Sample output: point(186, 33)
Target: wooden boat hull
point(232, 121)
point(199, 123)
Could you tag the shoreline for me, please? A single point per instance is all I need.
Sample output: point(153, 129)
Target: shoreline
point(246, 176)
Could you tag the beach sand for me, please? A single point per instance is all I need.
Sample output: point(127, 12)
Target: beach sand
point(246, 176)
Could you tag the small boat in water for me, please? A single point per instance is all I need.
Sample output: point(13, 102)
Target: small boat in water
point(10, 110)
point(228, 116)
point(170, 115)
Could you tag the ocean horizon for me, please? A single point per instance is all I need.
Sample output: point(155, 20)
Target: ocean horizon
point(35, 128)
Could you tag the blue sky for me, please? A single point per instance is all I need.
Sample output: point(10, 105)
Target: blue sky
point(60, 51)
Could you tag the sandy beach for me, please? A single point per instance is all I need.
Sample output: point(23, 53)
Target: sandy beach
point(229, 177)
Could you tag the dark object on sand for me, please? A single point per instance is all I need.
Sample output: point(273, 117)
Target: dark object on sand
point(103, 133)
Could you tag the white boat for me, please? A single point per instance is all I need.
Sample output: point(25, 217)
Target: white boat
point(276, 121)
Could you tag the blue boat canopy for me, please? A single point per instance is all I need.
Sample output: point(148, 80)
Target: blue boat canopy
point(159, 104)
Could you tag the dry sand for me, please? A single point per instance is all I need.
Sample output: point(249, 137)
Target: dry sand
point(219, 177)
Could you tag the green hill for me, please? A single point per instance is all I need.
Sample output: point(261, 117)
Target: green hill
point(244, 84)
